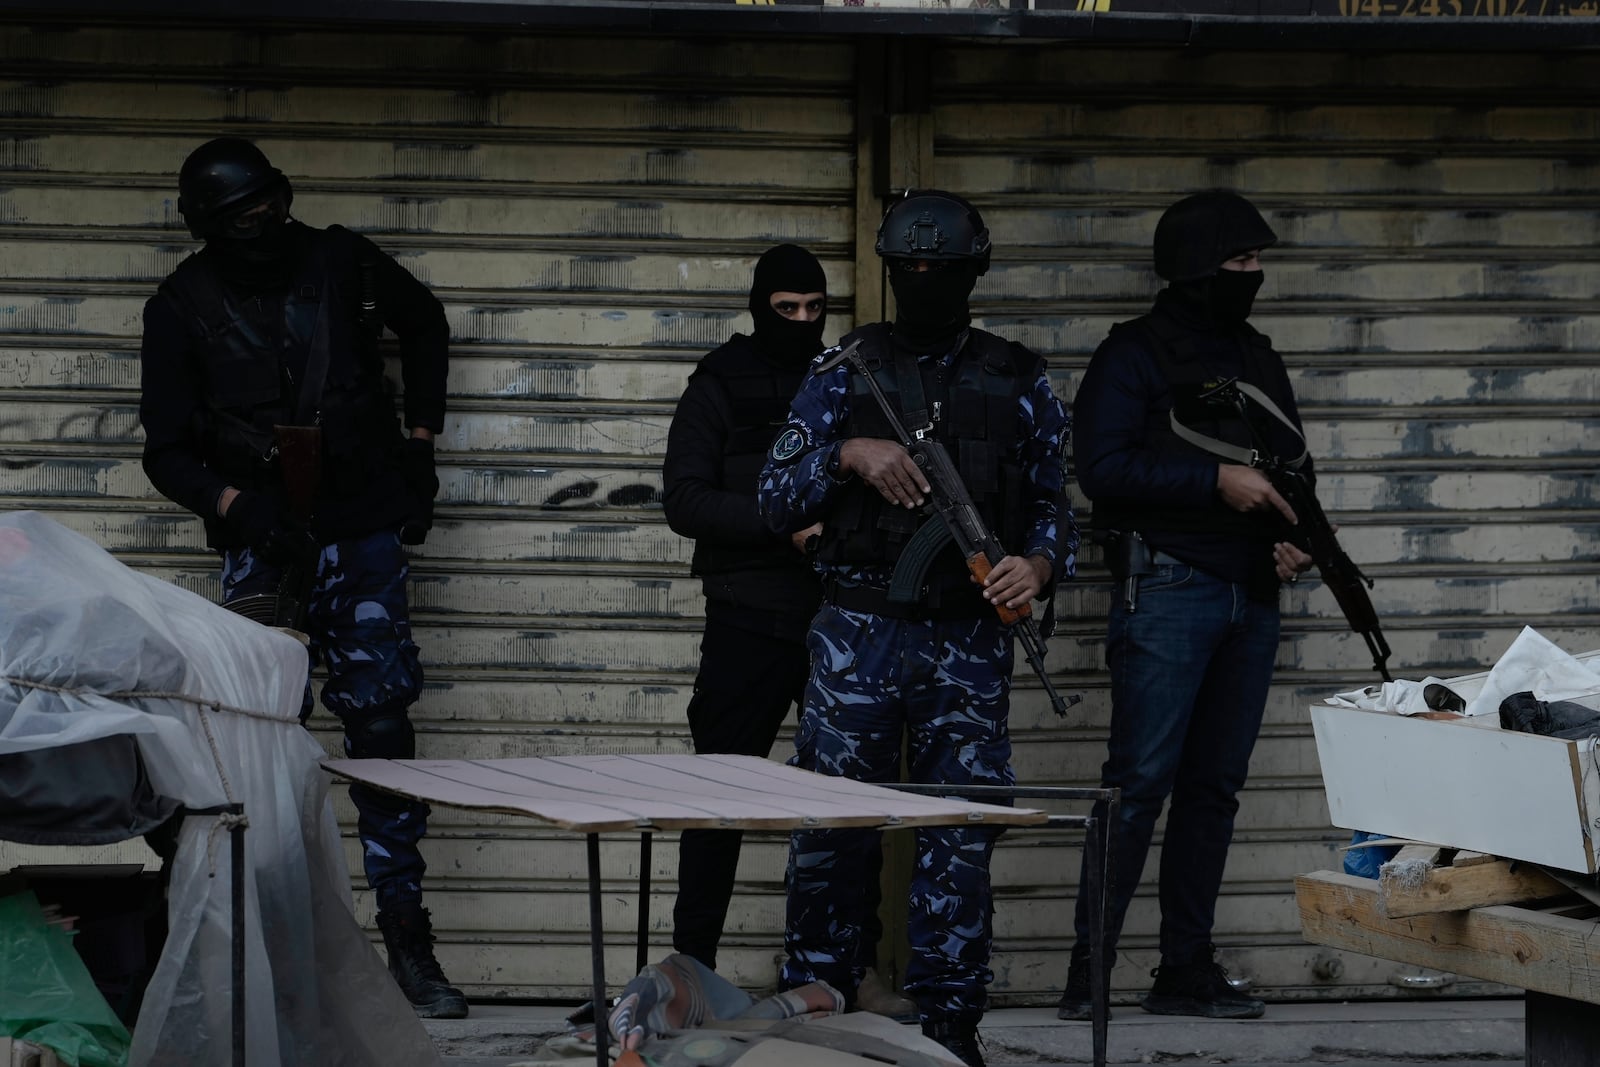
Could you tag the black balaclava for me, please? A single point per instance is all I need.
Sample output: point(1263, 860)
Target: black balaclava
point(1223, 300)
point(931, 306)
point(266, 256)
point(1194, 237)
point(786, 269)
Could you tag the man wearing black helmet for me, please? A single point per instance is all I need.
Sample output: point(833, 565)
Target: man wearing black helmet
point(938, 670)
point(274, 323)
point(1198, 548)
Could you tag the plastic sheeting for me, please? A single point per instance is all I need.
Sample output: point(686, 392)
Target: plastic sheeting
point(91, 649)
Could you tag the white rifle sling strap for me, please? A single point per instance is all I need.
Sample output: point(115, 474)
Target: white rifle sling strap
point(1250, 457)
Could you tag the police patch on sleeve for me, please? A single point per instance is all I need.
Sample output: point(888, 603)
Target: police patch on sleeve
point(788, 445)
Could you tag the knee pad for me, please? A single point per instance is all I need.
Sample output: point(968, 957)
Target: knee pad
point(382, 737)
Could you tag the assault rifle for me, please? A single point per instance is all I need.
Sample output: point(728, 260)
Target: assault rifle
point(1313, 535)
point(297, 453)
point(961, 523)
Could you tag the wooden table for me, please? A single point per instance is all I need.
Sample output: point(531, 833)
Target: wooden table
point(1551, 949)
point(645, 793)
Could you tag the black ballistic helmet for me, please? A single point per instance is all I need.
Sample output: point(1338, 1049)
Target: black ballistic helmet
point(224, 174)
point(933, 224)
point(1198, 233)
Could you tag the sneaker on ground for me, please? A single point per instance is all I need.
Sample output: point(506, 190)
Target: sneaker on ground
point(1199, 988)
point(1076, 1005)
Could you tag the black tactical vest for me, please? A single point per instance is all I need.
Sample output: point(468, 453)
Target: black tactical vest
point(253, 350)
point(976, 400)
point(1186, 372)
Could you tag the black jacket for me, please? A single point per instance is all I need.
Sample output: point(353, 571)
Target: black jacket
point(734, 404)
point(1140, 476)
point(362, 489)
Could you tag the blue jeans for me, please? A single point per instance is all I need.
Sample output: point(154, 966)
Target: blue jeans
point(1190, 671)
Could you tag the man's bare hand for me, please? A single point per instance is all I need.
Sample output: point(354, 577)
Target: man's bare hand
point(887, 467)
point(1247, 489)
point(1290, 562)
point(799, 538)
point(1015, 580)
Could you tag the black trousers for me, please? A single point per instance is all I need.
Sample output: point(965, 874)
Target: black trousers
point(746, 686)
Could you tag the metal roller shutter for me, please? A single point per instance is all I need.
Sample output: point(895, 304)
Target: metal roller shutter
point(1434, 296)
point(589, 209)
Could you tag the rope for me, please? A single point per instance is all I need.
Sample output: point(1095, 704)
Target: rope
point(226, 820)
point(147, 694)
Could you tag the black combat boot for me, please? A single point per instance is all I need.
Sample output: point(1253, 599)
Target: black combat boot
point(408, 937)
point(959, 1034)
point(1199, 987)
point(1075, 1003)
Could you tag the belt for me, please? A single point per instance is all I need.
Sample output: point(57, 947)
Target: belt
point(1161, 558)
point(874, 600)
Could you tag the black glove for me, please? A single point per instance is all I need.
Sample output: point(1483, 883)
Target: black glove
point(416, 466)
point(261, 523)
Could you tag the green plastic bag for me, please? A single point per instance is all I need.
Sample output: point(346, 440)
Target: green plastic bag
point(46, 994)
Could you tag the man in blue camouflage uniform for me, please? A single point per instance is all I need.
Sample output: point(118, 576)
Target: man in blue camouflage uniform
point(938, 670)
point(274, 323)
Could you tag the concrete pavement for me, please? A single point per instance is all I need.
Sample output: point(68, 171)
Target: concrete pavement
point(1346, 1032)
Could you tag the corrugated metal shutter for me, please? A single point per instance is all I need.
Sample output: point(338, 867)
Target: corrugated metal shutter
point(590, 210)
point(1434, 296)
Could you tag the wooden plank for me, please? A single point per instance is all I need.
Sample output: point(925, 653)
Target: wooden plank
point(1454, 888)
point(1515, 946)
point(589, 794)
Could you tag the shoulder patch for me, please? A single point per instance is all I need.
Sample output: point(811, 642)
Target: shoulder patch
point(789, 444)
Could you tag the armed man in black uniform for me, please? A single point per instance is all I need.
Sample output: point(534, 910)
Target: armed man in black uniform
point(272, 325)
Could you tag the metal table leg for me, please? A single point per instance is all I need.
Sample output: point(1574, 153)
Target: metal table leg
point(236, 848)
point(597, 954)
point(1098, 873)
point(644, 902)
point(1098, 850)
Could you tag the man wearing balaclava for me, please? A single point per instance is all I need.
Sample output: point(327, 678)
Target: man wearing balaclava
point(760, 588)
point(274, 323)
point(936, 667)
point(1197, 542)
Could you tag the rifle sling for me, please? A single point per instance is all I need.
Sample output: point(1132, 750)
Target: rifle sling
point(1238, 453)
point(306, 406)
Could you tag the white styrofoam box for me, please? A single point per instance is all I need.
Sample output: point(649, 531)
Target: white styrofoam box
point(1464, 783)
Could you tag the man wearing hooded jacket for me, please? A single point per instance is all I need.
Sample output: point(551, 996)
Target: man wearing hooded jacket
point(276, 323)
point(760, 590)
point(937, 670)
point(1198, 547)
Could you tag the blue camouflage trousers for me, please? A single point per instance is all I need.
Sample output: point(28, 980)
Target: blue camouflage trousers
point(359, 626)
point(945, 686)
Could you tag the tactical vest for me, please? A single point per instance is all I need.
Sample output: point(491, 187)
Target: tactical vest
point(759, 395)
point(1186, 371)
point(253, 350)
point(974, 404)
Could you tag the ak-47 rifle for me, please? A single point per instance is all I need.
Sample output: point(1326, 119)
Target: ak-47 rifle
point(961, 521)
point(1313, 534)
point(297, 455)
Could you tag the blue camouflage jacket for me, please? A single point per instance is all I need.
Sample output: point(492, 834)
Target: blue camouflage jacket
point(795, 490)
